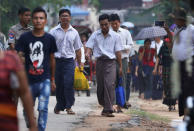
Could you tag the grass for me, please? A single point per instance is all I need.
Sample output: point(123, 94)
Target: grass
point(147, 115)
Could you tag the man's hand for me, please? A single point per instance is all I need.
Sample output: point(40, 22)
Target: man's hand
point(87, 56)
point(81, 67)
point(53, 85)
point(154, 71)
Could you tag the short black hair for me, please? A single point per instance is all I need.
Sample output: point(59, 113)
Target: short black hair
point(104, 17)
point(22, 10)
point(114, 17)
point(64, 10)
point(39, 9)
point(147, 40)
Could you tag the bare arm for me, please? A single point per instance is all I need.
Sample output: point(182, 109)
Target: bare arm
point(170, 36)
point(136, 70)
point(78, 57)
point(156, 65)
point(88, 53)
point(12, 46)
point(141, 54)
point(26, 98)
point(119, 60)
point(21, 55)
point(53, 65)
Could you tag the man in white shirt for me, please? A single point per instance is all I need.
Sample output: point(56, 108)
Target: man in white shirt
point(183, 55)
point(127, 44)
point(69, 47)
point(106, 48)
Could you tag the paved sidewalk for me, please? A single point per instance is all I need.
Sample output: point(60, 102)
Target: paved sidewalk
point(64, 122)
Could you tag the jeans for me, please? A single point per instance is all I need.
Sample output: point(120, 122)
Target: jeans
point(42, 91)
point(129, 75)
point(148, 79)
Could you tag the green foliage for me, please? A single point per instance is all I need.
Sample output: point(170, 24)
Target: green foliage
point(162, 11)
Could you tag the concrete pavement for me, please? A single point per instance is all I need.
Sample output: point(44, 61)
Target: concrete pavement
point(63, 122)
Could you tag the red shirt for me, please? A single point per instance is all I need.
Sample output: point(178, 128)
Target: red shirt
point(148, 57)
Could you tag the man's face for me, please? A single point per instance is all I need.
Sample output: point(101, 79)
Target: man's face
point(25, 17)
point(65, 18)
point(39, 20)
point(180, 23)
point(115, 25)
point(147, 44)
point(104, 25)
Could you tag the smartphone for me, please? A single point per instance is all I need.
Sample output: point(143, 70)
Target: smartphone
point(159, 23)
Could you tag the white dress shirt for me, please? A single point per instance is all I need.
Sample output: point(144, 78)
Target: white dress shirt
point(155, 45)
point(67, 41)
point(127, 42)
point(184, 47)
point(106, 46)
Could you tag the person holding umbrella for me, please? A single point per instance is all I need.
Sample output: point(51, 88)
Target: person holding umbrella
point(146, 55)
point(183, 57)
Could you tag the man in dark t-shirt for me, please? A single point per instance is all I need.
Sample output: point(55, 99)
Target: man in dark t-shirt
point(38, 49)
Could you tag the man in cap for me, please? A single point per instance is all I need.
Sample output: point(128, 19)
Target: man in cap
point(15, 31)
point(183, 55)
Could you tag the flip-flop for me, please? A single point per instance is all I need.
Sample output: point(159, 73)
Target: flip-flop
point(70, 112)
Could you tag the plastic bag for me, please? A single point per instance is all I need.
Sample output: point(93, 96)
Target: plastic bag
point(80, 81)
point(120, 94)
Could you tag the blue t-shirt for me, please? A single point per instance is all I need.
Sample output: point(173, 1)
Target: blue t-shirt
point(37, 52)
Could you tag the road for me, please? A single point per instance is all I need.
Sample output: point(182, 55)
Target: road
point(63, 122)
point(88, 117)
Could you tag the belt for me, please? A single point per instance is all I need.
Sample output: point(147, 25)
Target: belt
point(62, 58)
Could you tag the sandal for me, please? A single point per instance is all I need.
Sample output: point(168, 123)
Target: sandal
point(107, 114)
point(56, 111)
point(70, 111)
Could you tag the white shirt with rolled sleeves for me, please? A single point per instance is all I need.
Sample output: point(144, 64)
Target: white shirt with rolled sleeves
point(127, 42)
point(184, 47)
point(104, 46)
point(67, 41)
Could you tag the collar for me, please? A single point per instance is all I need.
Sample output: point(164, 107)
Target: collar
point(21, 27)
point(59, 27)
point(100, 32)
point(119, 30)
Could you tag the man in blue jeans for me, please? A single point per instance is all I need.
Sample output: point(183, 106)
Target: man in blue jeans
point(38, 49)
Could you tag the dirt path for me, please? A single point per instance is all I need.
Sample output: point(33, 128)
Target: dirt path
point(133, 119)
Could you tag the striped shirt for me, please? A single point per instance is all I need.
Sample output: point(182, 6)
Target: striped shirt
point(105, 46)
point(8, 115)
point(10, 63)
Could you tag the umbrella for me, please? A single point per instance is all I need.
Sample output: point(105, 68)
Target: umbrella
point(151, 32)
point(128, 24)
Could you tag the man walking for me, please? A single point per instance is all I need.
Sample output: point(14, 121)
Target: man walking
point(69, 47)
point(106, 47)
point(38, 48)
point(17, 30)
point(127, 43)
point(183, 56)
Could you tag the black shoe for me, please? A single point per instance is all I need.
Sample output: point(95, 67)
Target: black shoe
point(107, 114)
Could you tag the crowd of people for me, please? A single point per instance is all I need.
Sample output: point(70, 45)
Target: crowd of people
point(37, 62)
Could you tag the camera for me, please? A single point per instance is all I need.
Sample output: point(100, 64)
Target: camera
point(159, 23)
